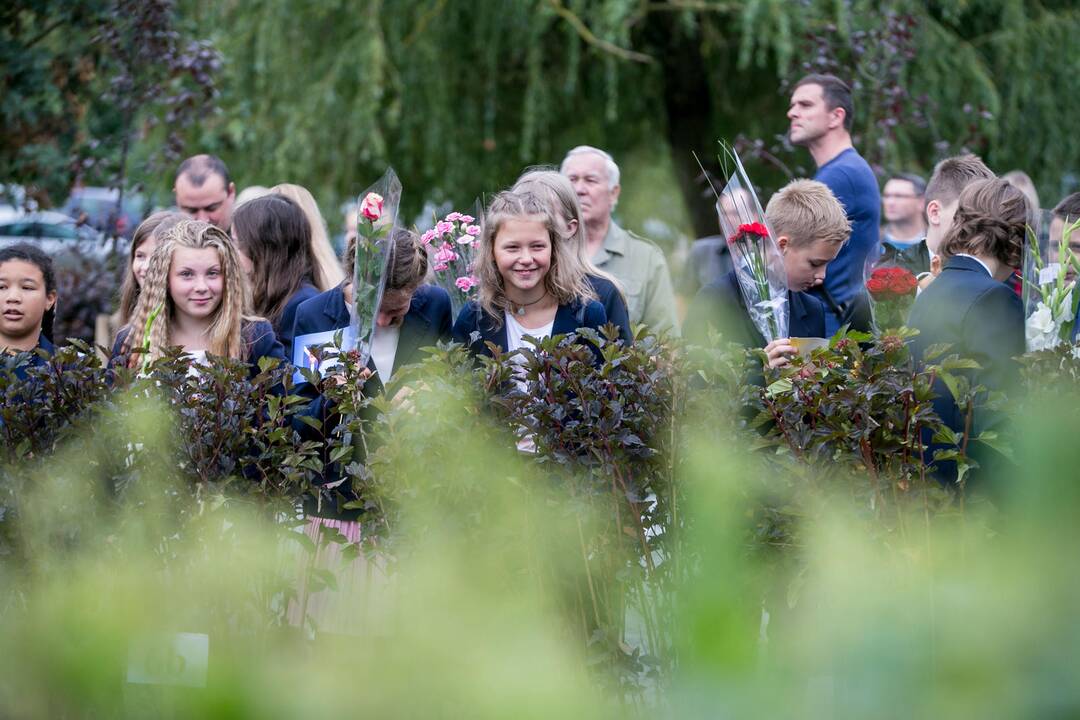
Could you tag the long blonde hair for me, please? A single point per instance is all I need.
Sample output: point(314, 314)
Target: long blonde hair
point(566, 278)
point(224, 334)
point(328, 271)
point(555, 188)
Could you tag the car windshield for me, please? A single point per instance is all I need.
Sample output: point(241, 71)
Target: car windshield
point(39, 230)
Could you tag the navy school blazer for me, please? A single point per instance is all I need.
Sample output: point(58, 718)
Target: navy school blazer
point(720, 305)
point(568, 318)
point(614, 306)
point(427, 322)
point(258, 336)
point(33, 359)
point(283, 327)
point(983, 320)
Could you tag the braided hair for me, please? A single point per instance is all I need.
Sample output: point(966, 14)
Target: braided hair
point(224, 334)
point(991, 219)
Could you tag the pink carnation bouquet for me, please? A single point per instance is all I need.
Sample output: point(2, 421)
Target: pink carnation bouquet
point(452, 244)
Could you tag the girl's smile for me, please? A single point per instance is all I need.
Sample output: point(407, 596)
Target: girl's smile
point(522, 251)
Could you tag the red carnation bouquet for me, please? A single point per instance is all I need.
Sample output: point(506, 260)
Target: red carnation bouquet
point(892, 291)
point(755, 256)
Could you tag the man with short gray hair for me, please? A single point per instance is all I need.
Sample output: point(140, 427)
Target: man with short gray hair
point(637, 263)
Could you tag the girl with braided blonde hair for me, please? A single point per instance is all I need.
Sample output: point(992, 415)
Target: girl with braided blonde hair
point(193, 296)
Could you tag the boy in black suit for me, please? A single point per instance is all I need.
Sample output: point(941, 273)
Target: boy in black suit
point(810, 227)
point(970, 307)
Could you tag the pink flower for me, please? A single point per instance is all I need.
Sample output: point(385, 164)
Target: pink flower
point(445, 254)
point(452, 217)
point(473, 230)
point(372, 206)
point(465, 240)
point(428, 236)
point(439, 267)
point(444, 228)
point(466, 283)
point(467, 219)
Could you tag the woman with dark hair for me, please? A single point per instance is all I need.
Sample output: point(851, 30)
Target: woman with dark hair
point(411, 315)
point(273, 238)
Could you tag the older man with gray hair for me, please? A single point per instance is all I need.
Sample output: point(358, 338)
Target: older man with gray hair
point(637, 263)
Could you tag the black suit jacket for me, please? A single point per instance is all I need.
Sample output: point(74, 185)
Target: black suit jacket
point(614, 306)
point(720, 305)
point(427, 322)
point(283, 327)
point(916, 258)
point(982, 319)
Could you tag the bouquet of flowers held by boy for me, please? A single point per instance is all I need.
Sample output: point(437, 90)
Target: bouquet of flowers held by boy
point(377, 218)
point(892, 291)
point(1050, 302)
point(755, 256)
point(453, 244)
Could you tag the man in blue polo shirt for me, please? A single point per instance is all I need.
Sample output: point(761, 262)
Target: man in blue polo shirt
point(821, 114)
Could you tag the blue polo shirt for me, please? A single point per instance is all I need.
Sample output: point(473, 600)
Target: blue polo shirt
point(854, 185)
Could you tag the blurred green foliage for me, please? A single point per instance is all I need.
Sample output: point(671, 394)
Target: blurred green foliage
point(468, 599)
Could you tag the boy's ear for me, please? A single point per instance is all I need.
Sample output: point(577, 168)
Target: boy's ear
point(933, 212)
point(50, 301)
point(783, 242)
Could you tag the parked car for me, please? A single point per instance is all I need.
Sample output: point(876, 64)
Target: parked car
point(53, 231)
point(96, 206)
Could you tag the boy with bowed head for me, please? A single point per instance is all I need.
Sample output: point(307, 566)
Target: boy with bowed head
point(811, 228)
point(948, 180)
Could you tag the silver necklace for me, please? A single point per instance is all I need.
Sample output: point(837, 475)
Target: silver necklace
point(520, 309)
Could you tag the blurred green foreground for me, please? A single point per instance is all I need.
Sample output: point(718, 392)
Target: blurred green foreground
point(160, 602)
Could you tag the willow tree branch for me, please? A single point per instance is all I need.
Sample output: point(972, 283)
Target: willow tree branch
point(588, 36)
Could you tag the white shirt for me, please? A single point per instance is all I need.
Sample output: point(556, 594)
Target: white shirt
point(384, 344)
point(985, 266)
point(515, 333)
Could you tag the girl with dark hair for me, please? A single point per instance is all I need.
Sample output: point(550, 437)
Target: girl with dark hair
point(273, 237)
point(411, 315)
point(27, 302)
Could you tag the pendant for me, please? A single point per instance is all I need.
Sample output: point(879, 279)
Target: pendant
point(520, 311)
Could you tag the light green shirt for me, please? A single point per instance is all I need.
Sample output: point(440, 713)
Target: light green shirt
point(639, 266)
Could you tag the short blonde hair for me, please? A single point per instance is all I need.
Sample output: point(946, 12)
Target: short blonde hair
point(806, 211)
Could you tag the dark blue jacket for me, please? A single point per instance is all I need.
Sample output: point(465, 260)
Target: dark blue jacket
point(283, 327)
point(568, 318)
point(983, 320)
point(614, 306)
point(851, 180)
point(258, 337)
point(33, 359)
point(720, 305)
point(427, 322)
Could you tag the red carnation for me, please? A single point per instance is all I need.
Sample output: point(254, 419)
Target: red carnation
point(755, 228)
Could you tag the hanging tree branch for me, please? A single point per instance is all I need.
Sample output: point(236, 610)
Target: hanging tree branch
point(587, 35)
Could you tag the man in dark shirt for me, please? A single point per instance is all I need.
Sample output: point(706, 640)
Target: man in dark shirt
point(821, 118)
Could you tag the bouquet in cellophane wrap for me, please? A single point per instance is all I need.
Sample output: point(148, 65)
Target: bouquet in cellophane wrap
point(377, 217)
point(755, 256)
point(452, 243)
point(1049, 277)
point(892, 290)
